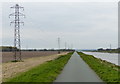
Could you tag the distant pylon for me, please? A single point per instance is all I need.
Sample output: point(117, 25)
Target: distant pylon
point(110, 46)
point(71, 46)
point(17, 22)
point(65, 45)
point(58, 45)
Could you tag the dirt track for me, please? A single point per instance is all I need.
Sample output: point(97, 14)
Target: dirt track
point(11, 69)
point(8, 56)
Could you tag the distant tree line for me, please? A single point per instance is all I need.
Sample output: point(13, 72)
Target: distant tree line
point(7, 48)
point(109, 50)
point(10, 49)
point(48, 50)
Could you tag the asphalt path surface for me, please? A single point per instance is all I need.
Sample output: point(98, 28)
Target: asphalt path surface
point(76, 70)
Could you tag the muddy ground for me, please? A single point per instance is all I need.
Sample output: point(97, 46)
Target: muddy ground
point(9, 56)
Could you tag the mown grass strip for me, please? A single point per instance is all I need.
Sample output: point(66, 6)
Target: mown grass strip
point(46, 72)
point(108, 72)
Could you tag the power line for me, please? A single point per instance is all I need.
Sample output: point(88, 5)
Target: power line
point(17, 22)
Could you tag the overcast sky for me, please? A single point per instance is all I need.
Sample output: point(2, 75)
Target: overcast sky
point(85, 25)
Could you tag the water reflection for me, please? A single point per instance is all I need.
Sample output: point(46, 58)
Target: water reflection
point(110, 57)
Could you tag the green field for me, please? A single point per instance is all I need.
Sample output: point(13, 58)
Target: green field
point(46, 72)
point(108, 72)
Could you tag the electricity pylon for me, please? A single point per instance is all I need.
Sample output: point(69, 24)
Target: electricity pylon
point(65, 45)
point(58, 45)
point(17, 22)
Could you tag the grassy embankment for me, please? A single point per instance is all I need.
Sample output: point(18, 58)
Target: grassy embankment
point(108, 72)
point(46, 72)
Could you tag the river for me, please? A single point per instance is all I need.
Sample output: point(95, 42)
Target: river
point(110, 57)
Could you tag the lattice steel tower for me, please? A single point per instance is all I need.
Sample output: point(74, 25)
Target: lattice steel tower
point(58, 45)
point(17, 22)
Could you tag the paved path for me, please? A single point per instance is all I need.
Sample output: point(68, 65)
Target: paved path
point(76, 70)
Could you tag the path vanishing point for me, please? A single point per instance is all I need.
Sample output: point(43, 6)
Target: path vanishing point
point(76, 70)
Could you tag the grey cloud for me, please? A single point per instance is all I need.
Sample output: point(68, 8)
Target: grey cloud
point(77, 23)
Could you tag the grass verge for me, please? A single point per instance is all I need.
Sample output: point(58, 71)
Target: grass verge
point(46, 72)
point(107, 71)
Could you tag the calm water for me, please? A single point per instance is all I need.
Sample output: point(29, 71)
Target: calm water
point(110, 57)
